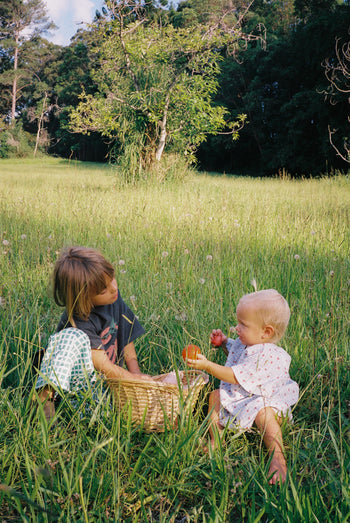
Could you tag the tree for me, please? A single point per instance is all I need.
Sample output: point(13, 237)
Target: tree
point(69, 74)
point(337, 70)
point(307, 9)
point(280, 88)
point(21, 22)
point(156, 84)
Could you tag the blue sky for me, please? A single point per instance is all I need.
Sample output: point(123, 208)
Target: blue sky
point(70, 15)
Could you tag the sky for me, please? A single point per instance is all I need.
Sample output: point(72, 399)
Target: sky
point(69, 16)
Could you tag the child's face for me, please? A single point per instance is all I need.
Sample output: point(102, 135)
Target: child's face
point(249, 329)
point(109, 295)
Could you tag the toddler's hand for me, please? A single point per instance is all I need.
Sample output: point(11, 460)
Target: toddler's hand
point(144, 377)
point(200, 363)
point(218, 338)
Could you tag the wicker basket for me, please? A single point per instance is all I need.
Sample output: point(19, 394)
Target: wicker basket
point(156, 403)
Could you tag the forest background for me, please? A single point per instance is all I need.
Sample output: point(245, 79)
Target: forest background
point(252, 88)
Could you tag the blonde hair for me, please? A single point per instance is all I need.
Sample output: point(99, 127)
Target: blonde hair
point(79, 275)
point(271, 308)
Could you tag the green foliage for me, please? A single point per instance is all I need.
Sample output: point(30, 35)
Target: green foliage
point(306, 9)
point(155, 89)
point(15, 142)
point(209, 13)
point(4, 145)
point(337, 73)
point(21, 24)
point(147, 77)
point(282, 90)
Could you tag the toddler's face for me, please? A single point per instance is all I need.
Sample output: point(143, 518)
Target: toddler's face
point(249, 329)
point(109, 295)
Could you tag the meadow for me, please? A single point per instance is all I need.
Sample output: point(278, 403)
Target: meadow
point(184, 253)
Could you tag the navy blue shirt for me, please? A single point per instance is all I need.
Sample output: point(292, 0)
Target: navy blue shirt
point(109, 327)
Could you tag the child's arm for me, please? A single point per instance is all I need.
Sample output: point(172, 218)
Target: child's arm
point(218, 371)
point(131, 358)
point(46, 397)
point(104, 365)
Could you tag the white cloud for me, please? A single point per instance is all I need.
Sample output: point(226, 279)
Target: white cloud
point(68, 15)
point(84, 10)
point(57, 8)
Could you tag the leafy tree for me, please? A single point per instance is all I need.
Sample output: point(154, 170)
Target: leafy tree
point(39, 99)
point(155, 84)
point(306, 9)
point(337, 70)
point(219, 13)
point(21, 23)
point(69, 75)
point(281, 88)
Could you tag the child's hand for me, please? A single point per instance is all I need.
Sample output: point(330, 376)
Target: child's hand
point(218, 338)
point(144, 377)
point(201, 363)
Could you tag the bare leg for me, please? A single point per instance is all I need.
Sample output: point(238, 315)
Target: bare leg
point(46, 397)
point(214, 406)
point(268, 424)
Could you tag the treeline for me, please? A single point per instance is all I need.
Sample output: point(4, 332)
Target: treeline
point(259, 88)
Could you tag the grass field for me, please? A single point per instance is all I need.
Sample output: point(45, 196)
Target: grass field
point(184, 254)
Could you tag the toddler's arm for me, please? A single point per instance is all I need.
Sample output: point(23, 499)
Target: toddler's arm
point(218, 371)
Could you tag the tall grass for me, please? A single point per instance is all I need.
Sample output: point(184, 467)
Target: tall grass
point(184, 254)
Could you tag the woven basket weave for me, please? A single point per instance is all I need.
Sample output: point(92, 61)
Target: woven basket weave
point(155, 403)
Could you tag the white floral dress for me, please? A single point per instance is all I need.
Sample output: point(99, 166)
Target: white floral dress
point(262, 372)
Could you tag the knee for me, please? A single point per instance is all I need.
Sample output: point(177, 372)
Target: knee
point(214, 397)
point(266, 416)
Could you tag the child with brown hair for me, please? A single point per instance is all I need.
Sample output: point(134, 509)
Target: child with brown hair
point(255, 383)
point(96, 331)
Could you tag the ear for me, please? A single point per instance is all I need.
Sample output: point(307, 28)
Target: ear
point(268, 332)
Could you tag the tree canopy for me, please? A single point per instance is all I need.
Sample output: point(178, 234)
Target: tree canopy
point(21, 24)
point(255, 88)
point(156, 85)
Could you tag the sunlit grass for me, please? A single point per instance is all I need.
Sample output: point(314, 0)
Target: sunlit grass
point(184, 254)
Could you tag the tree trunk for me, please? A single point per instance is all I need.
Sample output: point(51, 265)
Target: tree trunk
point(162, 140)
point(14, 85)
point(163, 131)
point(40, 121)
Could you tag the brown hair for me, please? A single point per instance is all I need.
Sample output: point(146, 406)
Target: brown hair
point(79, 275)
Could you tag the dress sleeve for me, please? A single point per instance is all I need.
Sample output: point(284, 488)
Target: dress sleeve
point(235, 350)
point(262, 369)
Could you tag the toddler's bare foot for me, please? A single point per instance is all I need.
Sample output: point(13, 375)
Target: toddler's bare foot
point(278, 469)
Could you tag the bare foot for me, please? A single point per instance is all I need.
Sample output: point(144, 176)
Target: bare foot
point(278, 469)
